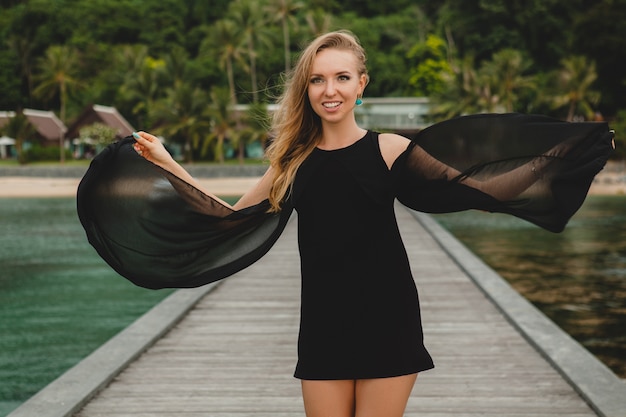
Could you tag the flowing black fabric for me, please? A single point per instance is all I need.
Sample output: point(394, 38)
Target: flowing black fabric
point(531, 166)
point(160, 232)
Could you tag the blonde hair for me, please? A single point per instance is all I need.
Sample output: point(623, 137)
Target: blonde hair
point(296, 128)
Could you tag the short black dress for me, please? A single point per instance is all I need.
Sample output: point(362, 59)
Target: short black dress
point(360, 311)
point(360, 315)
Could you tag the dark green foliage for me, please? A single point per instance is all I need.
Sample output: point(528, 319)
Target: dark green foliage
point(373, 8)
point(10, 97)
point(109, 35)
point(603, 39)
point(543, 28)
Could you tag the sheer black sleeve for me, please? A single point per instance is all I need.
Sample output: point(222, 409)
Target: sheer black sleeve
point(534, 167)
point(160, 232)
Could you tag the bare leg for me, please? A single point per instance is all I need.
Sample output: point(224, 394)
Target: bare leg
point(383, 396)
point(328, 398)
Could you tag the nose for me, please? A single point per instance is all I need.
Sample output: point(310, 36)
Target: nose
point(330, 88)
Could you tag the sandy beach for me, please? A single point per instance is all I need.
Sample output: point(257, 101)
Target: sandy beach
point(66, 187)
point(609, 183)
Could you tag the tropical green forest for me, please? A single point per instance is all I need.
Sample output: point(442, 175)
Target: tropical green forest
point(180, 68)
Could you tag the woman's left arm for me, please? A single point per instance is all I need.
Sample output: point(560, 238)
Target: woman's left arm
point(546, 188)
point(504, 186)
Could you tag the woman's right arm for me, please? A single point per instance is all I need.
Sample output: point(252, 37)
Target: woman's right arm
point(151, 148)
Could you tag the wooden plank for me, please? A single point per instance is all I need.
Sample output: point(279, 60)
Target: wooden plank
point(234, 354)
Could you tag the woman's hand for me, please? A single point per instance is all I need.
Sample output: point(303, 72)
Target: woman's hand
point(151, 148)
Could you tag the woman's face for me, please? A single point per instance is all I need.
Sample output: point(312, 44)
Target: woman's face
point(334, 84)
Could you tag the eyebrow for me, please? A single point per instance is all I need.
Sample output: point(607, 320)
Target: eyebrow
point(343, 72)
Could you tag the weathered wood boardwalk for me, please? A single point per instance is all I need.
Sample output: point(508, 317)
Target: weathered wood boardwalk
point(233, 355)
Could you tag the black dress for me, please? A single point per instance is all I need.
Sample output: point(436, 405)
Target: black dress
point(360, 312)
point(360, 315)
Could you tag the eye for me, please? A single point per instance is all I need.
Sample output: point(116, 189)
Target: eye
point(316, 80)
point(344, 78)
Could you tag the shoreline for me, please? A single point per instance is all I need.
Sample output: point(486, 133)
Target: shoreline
point(609, 183)
point(21, 187)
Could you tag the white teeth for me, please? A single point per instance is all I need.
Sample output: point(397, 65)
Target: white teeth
point(331, 105)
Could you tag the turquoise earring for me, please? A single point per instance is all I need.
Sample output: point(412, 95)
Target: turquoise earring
point(359, 101)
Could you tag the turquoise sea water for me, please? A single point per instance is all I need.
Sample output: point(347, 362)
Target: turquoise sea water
point(59, 301)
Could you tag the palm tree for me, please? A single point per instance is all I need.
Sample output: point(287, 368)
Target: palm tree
point(574, 81)
point(176, 65)
point(182, 116)
point(223, 122)
point(58, 75)
point(253, 126)
point(141, 84)
point(284, 11)
point(258, 124)
point(59, 70)
point(505, 75)
point(250, 20)
point(225, 38)
point(494, 87)
point(318, 21)
point(462, 93)
point(123, 61)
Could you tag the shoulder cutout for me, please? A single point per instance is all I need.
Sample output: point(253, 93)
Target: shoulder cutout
point(391, 146)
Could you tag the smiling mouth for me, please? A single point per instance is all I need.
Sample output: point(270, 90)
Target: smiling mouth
point(331, 105)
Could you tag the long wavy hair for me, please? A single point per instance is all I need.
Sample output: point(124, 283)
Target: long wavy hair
point(296, 128)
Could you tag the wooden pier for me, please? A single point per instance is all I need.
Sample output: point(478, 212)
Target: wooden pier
point(233, 353)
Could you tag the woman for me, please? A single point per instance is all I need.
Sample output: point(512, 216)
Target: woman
point(360, 346)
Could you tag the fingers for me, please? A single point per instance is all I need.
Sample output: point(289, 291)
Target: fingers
point(141, 144)
point(150, 147)
point(144, 138)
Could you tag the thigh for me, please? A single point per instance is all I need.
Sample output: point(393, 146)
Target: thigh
point(383, 396)
point(328, 398)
